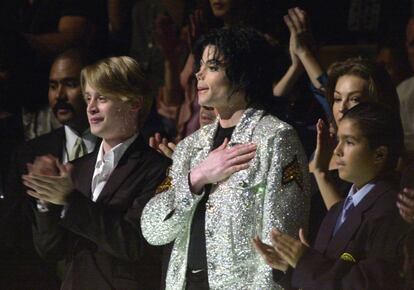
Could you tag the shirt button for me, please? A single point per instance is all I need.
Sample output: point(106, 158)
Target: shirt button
point(210, 266)
point(209, 234)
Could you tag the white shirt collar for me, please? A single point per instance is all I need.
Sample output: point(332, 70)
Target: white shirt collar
point(114, 155)
point(358, 195)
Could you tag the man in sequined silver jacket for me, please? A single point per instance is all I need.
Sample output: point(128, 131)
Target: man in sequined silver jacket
point(272, 191)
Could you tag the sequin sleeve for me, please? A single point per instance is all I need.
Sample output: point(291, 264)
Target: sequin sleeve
point(168, 214)
point(287, 198)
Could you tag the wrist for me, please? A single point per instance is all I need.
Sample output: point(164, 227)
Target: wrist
point(195, 181)
point(304, 52)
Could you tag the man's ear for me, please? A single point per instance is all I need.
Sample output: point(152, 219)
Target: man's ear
point(381, 154)
point(136, 105)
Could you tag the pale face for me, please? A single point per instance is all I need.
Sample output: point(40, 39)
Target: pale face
point(409, 42)
point(65, 95)
point(213, 86)
point(356, 161)
point(109, 118)
point(349, 91)
point(221, 8)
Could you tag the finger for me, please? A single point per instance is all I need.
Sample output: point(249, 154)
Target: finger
point(241, 159)
point(408, 218)
point(302, 237)
point(406, 200)
point(171, 146)
point(407, 209)
point(240, 149)
point(33, 194)
point(165, 150)
point(36, 185)
point(289, 24)
point(223, 145)
point(301, 16)
point(236, 168)
point(152, 142)
point(157, 137)
point(408, 192)
point(295, 20)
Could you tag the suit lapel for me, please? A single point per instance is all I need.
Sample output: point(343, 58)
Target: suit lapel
point(125, 167)
point(348, 229)
point(327, 227)
point(87, 167)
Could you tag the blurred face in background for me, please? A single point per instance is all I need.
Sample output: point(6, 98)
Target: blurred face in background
point(65, 94)
point(350, 90)
point(409, 42)
point(221, 8)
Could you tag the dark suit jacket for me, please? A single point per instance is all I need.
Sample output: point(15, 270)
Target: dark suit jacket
point(365, 253)
point(101, 241)
point(20, 265)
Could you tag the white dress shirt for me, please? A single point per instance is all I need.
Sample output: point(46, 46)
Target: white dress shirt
point(105, 164)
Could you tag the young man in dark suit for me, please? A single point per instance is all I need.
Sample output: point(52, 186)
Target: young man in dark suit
point(93, 222)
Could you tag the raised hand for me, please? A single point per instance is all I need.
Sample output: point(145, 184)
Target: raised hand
point(289, 249)
point(405, 204)
point(221, 163)
point(52, 189)
point(325, 145)
point(162, 145)
point(301, 40)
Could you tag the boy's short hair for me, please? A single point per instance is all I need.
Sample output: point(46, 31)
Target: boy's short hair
point(119, 78)
point(382, 127)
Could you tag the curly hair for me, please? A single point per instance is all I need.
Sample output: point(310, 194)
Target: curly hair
point(251, 63)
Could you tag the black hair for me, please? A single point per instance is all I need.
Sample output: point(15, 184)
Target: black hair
point(382, 127)
point(251, 63)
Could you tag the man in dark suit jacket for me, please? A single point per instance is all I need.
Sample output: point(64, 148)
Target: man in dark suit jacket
point(92, 217)
point(20, 266)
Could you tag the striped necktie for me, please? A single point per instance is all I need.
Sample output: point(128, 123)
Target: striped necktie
point(78, 150)
point(346, 210)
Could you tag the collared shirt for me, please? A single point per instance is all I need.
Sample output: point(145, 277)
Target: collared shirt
point(105, 164)
point(356, 197)
point(70, 136)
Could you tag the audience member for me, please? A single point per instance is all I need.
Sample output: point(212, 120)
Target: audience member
point(93, 205)
point(359, 245)
point(406, 92)
point(350, 82)
point(230, 178)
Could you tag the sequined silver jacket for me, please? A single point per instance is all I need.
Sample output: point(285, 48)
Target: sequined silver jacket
point(250, 202)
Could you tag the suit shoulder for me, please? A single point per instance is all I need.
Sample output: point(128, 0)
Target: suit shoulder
point(46, 138)
point(271, 123)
